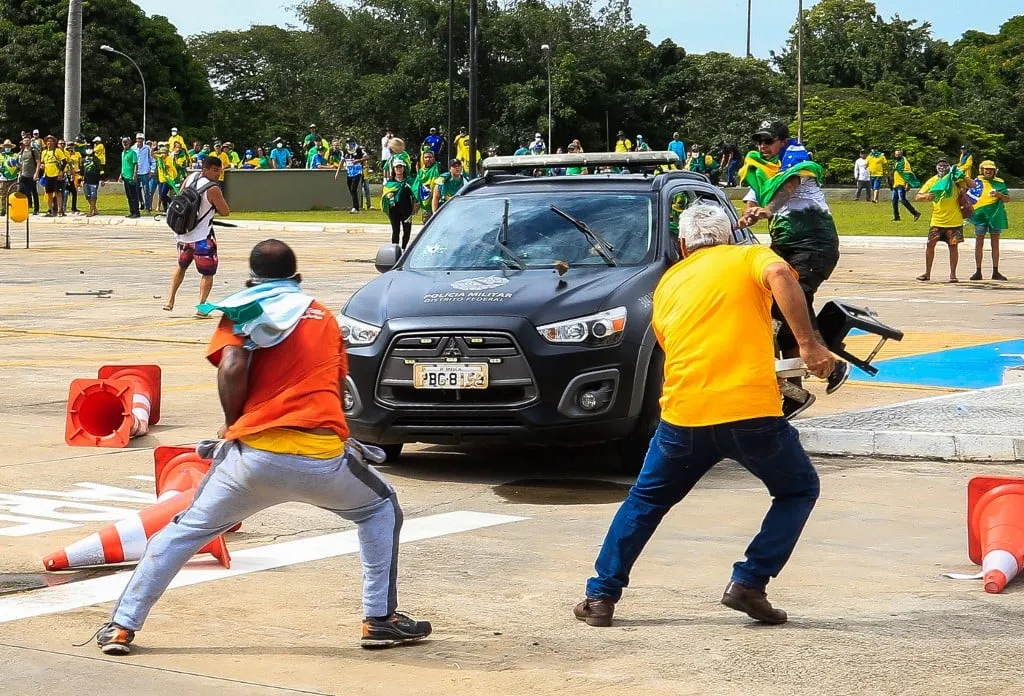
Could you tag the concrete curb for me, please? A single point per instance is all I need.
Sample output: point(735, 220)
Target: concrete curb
point(831, 436)
point(961, 447)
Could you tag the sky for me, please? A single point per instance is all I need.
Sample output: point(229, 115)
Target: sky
point(697, 25)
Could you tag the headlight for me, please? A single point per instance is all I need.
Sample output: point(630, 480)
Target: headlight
point(357, 333)
point(601, 329)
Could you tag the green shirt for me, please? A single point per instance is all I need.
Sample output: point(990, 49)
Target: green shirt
point(449, 186)
point(129, 164)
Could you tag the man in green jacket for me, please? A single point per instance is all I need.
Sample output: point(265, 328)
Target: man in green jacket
point(129, 176)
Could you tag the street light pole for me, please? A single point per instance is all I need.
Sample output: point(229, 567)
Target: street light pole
point(73, 72)
point(749, 4)
point(474, 77)
point(800, 71)
point(111, 49)
point(451, 74)
point(547, 54)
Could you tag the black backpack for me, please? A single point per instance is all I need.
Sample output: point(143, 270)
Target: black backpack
point(183, 212)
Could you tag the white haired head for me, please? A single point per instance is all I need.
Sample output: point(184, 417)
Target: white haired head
point(704, 226)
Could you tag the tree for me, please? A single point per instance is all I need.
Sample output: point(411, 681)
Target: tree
point(848, 44)
point(984, 82)
point(32, 69)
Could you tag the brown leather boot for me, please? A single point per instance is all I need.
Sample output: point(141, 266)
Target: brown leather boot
point(753, 603)
point(596, 612)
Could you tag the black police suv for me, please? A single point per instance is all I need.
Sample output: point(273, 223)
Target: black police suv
point(522, 311)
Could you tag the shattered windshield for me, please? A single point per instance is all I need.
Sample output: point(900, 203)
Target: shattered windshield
point(472, 233)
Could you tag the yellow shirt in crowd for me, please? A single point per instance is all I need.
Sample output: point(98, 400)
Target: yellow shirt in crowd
point(945, 213)
point(101, 153)
point(51, 160)
point(712, 317)
point(876, 165)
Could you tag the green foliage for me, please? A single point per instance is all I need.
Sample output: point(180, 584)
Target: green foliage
point(32, 70)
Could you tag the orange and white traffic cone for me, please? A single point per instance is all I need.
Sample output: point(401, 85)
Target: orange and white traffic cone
point(126, 540)
point(178, 469)
point(109, 411)
point(995, 531)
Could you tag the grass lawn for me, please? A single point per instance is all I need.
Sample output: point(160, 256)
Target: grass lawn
point(852, 217)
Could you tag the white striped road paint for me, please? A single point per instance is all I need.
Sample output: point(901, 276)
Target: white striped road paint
point(75, 595)
point(143, 477)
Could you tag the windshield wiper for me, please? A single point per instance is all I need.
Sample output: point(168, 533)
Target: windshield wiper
point(602, 247)
point(502, 242)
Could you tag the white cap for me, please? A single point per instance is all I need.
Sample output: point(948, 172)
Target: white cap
point(174, 130)
point(140, 135)
point(537, 135)
point(97, 139)
point(35, 132)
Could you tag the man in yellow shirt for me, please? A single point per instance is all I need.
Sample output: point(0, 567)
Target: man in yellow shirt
point(947, 223)
point(713, 320)
point(100, 152)
point(52, 162)
point(72, 176)
point(877, 163)
point(175, 138)
point(623, 144)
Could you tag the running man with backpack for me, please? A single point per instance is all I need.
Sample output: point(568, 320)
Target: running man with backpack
point(190, 215)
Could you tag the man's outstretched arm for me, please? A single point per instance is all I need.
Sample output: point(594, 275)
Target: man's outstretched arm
point(791, 300)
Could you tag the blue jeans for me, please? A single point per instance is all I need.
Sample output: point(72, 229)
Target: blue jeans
point(769, 448)
point(899, 195)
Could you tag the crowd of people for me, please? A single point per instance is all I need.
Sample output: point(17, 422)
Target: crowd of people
point(958, 197)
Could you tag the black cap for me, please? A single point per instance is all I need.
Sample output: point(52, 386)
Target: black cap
point(776, 130)
point(454, 161)
point(941, 160)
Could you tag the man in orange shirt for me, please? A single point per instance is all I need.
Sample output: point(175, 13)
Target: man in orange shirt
point(712, 318)
point(281, 369)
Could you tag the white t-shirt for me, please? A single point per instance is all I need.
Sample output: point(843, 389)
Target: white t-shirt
point(385, 153)
point(807, 195)
point(860, 170)
point(206, 212)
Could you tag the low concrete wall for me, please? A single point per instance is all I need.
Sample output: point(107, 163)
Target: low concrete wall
point(288, 189)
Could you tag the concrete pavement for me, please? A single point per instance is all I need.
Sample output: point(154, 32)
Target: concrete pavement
point(870, 612)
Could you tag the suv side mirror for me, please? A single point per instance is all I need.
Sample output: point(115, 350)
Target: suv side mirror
point(387, 257)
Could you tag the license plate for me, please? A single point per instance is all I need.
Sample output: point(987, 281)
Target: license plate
point(449, 375)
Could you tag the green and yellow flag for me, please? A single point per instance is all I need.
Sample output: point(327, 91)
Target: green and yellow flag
point(989, 210)
point(944, 186)
point(902, 168)
point(765, 177)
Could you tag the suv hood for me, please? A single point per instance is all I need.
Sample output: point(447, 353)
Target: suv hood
point(539, 295)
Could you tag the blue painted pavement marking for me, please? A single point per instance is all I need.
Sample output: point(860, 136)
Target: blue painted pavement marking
point(973, 367)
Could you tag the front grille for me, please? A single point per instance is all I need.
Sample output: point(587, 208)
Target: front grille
point(510, 380)
point(456, 420)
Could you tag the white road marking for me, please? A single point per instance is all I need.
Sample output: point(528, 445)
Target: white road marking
point(143, 477)
point(97, 492)
point(75, 595)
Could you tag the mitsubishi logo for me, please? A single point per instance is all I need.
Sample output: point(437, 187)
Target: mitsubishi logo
point(451, 350)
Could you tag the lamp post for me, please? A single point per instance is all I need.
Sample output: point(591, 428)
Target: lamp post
point(547, 56)
point(111, 49)
point(73, 72)
point(474, 82)
point(800, 71)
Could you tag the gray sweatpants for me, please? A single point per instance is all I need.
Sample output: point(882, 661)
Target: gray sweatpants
point(243, 481)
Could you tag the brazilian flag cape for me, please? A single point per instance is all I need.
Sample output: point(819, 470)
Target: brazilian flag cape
point(904, 170)
point(765, 176)
point(945, 186)
point(423, 185)
point(393, 186)
point(988, 210)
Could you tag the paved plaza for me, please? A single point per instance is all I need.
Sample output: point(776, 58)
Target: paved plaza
point(497, 543)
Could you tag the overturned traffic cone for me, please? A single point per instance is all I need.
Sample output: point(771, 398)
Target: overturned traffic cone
point(126, 540)
point(995, 528)
point(109, 411)
point(177, 469)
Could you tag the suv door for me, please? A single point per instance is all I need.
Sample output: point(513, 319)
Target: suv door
point(680, 195)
